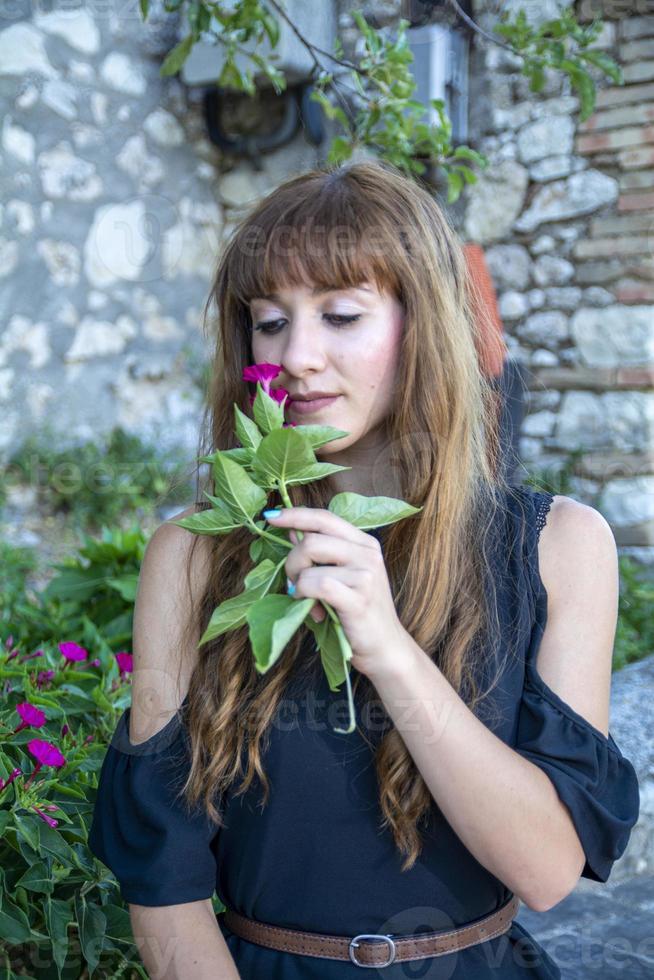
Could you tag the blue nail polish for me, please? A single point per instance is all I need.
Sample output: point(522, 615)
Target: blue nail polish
point(290, 588)
point(271, 513)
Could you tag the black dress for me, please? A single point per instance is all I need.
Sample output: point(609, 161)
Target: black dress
point(314, 857)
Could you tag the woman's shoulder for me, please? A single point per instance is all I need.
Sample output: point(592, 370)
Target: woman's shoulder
point(172, 578)
point(574, 538)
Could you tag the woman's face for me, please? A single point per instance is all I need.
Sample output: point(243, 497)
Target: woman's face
point(344, 342)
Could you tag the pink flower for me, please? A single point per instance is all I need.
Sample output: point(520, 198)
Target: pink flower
point(64, 730)
point(31, 656)
point(72, 652)
point(49, 820)
point(95, 663)
point(278, 394)
point(124, 663)
point(46, 754)
point(31, 716)
point(264, 372)
point(10, 778)
point(43, 677)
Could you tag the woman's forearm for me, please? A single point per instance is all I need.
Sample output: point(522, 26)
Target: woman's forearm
point(176, 942)
point(502, 806)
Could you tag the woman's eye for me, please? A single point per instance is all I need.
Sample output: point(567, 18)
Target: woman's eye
point(337, 319)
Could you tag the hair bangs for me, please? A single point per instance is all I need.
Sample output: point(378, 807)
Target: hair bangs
point(330, 241)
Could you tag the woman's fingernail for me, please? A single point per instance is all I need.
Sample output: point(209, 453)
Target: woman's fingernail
point(271, 513)
point(290, 588)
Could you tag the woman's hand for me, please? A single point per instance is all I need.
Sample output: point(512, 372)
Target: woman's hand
point(344, 566)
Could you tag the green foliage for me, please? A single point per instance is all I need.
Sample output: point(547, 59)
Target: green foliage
point(560, 44)
point(274, 456)
point(89, 599)
point(635, 633)
point(376, 107)
point(99, 481)
point(61, 913)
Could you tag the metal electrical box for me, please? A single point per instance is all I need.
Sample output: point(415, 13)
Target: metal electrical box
point(440, 69)
point(316, 21)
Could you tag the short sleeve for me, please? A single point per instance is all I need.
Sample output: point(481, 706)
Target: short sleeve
point(159, 851)
point(598, 785)
point(595, 781)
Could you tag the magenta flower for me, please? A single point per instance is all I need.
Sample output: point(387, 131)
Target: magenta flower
point(263, 372)
point(72, 652)
point(46, 754)
point(30, 716)
point(95, 663)
point(43, 677)
point(9, 642)
point(64, 730)
point(31, 656)
point(49, 820)
point(10, 778)
point(124, 663)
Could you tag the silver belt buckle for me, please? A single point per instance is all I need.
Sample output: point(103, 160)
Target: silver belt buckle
point(371, 935)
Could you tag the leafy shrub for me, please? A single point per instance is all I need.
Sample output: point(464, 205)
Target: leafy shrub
point(635, 633)
point(61, 913)
point(98, 481)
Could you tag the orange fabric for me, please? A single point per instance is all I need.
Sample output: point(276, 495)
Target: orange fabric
point(484, 302)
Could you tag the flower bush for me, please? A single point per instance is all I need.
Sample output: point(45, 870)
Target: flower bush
point(65, 673)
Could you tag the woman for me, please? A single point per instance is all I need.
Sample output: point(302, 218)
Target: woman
point(488, 775)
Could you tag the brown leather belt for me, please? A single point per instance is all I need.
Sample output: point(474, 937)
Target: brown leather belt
point(372, 949)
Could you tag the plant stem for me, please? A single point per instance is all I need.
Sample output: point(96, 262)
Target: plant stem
point(342, 639)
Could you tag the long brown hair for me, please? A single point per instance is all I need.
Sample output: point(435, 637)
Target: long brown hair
point(443, 431)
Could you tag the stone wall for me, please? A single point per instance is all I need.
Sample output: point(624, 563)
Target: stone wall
point(566, 216)
point(114, 207)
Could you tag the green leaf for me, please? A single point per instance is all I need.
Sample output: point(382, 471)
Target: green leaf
point(340, 149)
point(273, 620)
point(217, 520)
point(584, 85)
point(92, 924)
point(118, 923)
point(247, 430)
point(57, 914)
point(232, 613)
point(53, 843)
point(238, 454)
point(125, 586)
point(454, 185)
point(268, 414)
point(317, 472)
point(14, 924)
point(281, 456)
point(330, 651)
point(318, 435)
point(602, 60)
point(28, 829)
point(37, 879)
point(243, 498)
point(144, 7)
point(370, 512)
point(176, 58)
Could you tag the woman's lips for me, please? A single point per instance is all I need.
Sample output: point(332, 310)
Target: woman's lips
point(315, 405)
